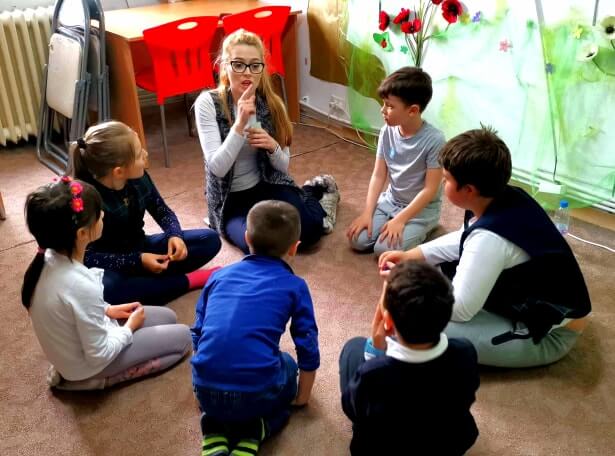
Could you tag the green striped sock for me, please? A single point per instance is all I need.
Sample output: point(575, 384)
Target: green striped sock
point(215, 445)
point(250, 446)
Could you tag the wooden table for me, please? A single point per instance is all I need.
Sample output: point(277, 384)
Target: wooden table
point(127, 54)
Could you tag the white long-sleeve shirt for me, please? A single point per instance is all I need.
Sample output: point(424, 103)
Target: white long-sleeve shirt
point(68, 316)
point(235, 150)
point(485, 256)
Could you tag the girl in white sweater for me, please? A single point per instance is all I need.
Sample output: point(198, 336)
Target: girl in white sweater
point(79, 332)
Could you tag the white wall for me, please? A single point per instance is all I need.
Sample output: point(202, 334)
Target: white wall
point(316, 93)
point(6, 5)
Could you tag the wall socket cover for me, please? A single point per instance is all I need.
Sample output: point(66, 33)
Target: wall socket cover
point(550, 187)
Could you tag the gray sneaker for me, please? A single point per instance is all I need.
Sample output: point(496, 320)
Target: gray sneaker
point(330, 198)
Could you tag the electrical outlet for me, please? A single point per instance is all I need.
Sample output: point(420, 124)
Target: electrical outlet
point(550, 187)
point(305, 99)
point(336, 105)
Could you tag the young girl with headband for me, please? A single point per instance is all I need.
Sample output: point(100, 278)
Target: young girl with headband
point(79, 332)
point(152, 269)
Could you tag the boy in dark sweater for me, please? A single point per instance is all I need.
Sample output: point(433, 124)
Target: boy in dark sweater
point(244, 384)
point(408, 389)
point(520, 296)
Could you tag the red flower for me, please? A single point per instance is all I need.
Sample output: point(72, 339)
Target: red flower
point(76, 188)
point(403, 16)
point(451, 10)
point(383, 21)
point(76, 204)
point(436, 2)
point(411, 26)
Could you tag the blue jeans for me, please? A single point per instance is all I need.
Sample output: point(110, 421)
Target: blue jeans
point(159, 289)
point(236, 407)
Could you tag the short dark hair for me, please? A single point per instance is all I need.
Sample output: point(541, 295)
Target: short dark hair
point(273, 227)
point(480, 158)
point(411, 85)
point(420, 300)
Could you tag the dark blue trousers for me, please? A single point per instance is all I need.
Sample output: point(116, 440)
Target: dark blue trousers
point(158, 289)
point(235, 409)
point(351, 358)
point(239, 203)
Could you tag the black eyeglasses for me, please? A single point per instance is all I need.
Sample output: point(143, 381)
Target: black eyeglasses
point(239, 67)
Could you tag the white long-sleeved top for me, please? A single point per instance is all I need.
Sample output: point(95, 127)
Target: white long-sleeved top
point(235, 150)
point(485, 256)
point(68, 316)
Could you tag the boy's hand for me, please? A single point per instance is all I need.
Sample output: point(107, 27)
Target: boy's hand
point(259, 138)
point(388, 259)
point(304, 389)
point(154, 263)
point(136, 319)
point(362, 222)
point(378, 332)
point(122, 311)
point(393, 231)
point(177, 249)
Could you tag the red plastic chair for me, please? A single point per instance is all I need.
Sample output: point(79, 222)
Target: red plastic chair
point(268, 22)
point(181, 62)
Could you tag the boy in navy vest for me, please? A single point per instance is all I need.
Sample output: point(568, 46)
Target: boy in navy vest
point(520, 296)
point(244, 383)
point(416, 397)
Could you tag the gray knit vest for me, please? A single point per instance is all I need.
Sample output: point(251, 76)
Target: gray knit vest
point(218, 188)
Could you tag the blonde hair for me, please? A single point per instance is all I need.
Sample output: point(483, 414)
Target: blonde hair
point(279, 116)
point(104, 146)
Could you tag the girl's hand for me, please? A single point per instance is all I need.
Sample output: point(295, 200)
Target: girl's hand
point(259, 138)
point(122, 311)
point(155, 263)
point(177, 249)
point(136, 319)
point(246, 106)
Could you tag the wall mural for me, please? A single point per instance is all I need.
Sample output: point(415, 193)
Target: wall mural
point(542, 73)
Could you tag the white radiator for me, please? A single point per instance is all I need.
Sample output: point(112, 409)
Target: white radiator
point(24, 39)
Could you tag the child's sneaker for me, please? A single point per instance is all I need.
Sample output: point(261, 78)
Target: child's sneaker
point(55, 380)
point(329, 199)
point(249, 445)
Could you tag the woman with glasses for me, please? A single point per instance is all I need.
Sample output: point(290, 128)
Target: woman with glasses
point(245, 134)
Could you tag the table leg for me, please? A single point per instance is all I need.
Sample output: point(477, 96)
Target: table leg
point(123, 88)
point(2, 211)
point(289, 51)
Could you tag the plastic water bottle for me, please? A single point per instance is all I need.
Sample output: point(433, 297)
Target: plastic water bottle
point(561, 218)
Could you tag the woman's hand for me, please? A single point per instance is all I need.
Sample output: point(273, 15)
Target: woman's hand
point(122, 311)
point(246, 106)
point(177, 249)
point(259, 138)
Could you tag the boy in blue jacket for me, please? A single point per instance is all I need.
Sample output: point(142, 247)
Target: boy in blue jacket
point(244, 384)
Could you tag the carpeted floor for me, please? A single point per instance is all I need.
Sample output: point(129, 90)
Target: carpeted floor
point(564, 409)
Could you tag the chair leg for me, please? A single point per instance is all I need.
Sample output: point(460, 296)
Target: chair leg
point(283, 84)
point(2, 211)
point(164, 137)
point(188, 116)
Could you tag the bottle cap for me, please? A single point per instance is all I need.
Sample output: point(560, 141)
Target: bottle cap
point(563, 204)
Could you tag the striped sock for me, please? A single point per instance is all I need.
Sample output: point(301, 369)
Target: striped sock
point(215, 445)
point(248, 446)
